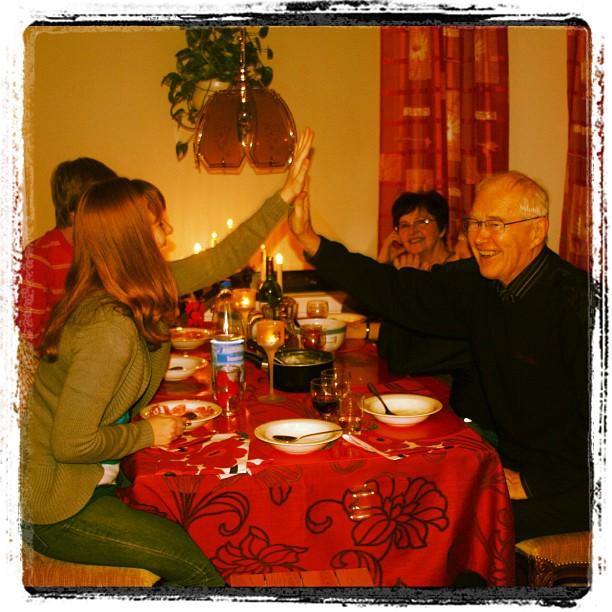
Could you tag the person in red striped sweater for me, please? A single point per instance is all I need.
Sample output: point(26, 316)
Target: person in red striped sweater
point(47, 259)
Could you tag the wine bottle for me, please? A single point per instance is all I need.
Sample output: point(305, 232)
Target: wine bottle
point(269, 291)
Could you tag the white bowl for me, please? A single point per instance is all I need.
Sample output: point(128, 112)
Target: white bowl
point(187, 338)
point(333, 329)
point(409, 409)
point(298, 427)
point(197, 412)
point(181, 367)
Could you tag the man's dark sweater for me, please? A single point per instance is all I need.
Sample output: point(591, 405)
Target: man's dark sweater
point(530, 346)
point(407, 351)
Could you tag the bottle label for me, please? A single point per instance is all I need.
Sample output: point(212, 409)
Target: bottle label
point(227, 350)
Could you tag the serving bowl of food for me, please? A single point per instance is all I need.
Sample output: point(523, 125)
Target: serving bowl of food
point(294, 368)
point(298, 436)
point(181, 367)
point(408, 409)
point(188, 338)
point(196, 412)
point(333, 331)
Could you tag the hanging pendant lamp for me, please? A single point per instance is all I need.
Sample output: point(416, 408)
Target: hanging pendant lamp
point(245, 121)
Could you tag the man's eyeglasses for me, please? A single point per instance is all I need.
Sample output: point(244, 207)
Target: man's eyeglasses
point(494, 226)
point(418, 224)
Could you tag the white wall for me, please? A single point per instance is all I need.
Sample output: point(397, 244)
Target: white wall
point(538, 111)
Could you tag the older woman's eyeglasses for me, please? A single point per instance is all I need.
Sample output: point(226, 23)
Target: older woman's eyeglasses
point(494, 226)
point(418, 224)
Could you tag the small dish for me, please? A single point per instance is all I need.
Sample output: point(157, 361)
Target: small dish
point(409, 409)
point(181, 367)
point(298, 427)
point(195, 411)
point(188, 338)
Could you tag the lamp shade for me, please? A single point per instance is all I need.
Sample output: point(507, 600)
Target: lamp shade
point(267, 136)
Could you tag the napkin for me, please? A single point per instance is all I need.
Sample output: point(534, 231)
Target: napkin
point(222, 454)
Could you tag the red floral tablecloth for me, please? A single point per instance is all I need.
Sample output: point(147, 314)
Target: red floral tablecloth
point(419, 521)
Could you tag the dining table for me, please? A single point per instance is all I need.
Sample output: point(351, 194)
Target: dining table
point(431, 505)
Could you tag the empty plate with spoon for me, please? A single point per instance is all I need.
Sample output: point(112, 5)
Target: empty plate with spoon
point(298, 436)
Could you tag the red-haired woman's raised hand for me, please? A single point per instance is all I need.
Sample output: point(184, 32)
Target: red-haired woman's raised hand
point(294, 185)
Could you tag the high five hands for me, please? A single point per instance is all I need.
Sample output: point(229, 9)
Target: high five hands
point(300, 224)
point(294, 185)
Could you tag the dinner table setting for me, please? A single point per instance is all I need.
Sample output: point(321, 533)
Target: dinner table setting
point(343, 465)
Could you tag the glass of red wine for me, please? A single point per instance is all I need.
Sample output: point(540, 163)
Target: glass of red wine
point(324, 397)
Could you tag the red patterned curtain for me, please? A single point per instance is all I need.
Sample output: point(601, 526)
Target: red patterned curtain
point(444, 114)
point(575, 242)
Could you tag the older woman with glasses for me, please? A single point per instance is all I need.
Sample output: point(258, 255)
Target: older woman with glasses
point(420, 221)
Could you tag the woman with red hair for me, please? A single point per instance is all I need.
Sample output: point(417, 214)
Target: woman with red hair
point(102, 358)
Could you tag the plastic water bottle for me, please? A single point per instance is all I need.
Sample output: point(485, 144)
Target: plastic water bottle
point(226, 320)
point(227, 346)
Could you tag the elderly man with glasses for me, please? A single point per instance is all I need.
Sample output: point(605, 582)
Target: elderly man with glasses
point(525, 312)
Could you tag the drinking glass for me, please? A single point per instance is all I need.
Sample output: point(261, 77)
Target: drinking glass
point(324, 397)
point(270, 335)
point(312, 336)
point(350, 412)
point(227, 387)
point(341, 379)
point(317, 309)
point(243, 301)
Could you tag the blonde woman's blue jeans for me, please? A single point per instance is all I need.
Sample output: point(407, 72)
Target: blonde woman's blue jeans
point(108, 532)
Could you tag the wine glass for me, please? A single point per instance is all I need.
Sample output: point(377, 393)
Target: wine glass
point(243, 301)
point(324, 397)
point(317, 309)
point(270, 335)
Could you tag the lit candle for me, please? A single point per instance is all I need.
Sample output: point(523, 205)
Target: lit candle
point(197, 247)
point(213, 239)
point(230, 225)
point(262, 272)
point(279, 269)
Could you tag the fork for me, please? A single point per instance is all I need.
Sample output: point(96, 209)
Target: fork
point(365, 446)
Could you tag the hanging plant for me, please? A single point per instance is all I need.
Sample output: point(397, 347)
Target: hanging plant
point(211, 61)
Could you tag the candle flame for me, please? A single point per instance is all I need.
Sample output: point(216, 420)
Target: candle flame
point(197, 247)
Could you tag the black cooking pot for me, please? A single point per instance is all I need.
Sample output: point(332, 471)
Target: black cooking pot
point(294, 368)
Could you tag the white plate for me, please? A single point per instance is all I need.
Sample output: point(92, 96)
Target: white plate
point(187, 364)
point(409, 408)
point(187, 338)
point(203, 411)
point(298, 427)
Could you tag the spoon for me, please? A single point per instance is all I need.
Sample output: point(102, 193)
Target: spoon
point(287, 438)
point(373, 390)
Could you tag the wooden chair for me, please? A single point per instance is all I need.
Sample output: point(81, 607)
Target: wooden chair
point(41, 571)
point(555, 560)
point(351, 577)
